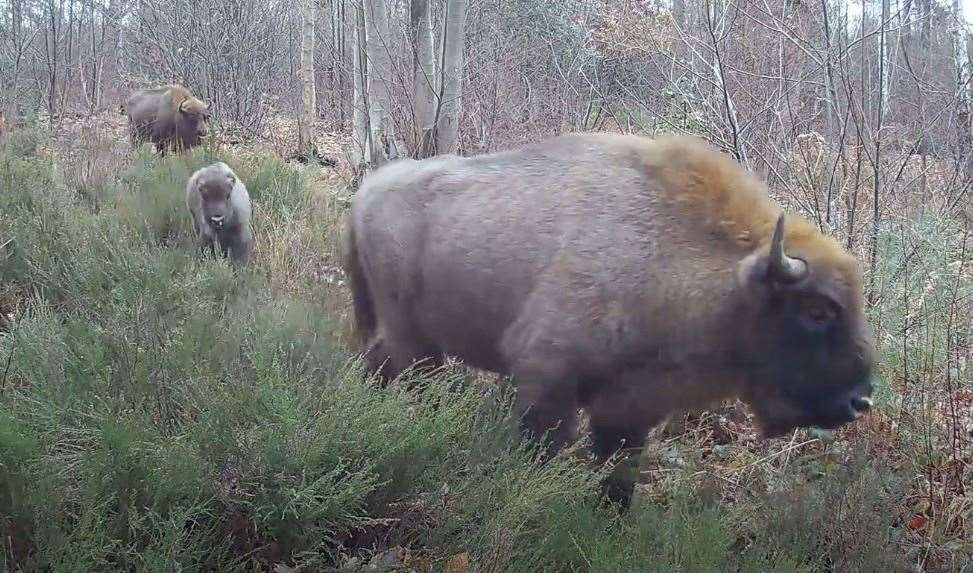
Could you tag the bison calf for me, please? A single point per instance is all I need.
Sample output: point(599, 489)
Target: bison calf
point(634, 278)
point(220, 207)
point(169, 117)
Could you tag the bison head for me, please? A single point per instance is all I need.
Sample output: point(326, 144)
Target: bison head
point(215, 187)
point(194, 116)
point(808, 347)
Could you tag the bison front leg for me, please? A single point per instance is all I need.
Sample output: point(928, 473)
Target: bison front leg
point(395, 348)
point(619, 425)
point(240, 247)
point(546, 400)
point(205, 237)
point(547, 408)
point(608, 439)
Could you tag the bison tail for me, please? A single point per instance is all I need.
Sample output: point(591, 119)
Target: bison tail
point(364, 310)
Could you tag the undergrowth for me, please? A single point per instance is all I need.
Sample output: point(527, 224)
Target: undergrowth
point(161, 411)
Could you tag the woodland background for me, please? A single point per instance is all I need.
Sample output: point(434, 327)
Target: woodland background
point(858, 114)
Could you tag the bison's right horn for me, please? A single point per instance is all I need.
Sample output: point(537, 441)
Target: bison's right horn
point(782, 267)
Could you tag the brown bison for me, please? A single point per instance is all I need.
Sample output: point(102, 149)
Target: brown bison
point(169, 116)
point(631, 277)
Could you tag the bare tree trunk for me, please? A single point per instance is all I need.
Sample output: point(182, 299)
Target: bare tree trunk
point(424, 77)
point(378, 49)
point(9, 100)
point(361, 148)
point(877, 165)
point(309, 96)
point(831, 110)
point(679, 12)
point(963, 104)
point(452, 44)
point(719, 71)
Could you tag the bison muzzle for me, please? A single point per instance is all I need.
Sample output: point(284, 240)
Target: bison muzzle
point(631, 277)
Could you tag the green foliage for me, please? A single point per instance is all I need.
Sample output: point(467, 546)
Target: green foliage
point(23, 142)
point(163, 411)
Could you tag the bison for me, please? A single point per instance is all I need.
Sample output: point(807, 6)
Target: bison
point(219, 204)
point(634, 278)
point(169, 117)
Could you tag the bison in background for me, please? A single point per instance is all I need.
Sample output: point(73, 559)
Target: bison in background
point(632, 277)
point(169, 117)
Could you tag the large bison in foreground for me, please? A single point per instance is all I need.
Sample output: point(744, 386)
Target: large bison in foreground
point(631, 277)
point(169, 117)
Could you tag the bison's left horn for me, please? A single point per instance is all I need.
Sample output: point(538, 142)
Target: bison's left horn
point(782, 267)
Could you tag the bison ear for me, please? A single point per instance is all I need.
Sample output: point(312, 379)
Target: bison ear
point(773, 267)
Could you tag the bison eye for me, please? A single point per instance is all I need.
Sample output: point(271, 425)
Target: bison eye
point(817, 314)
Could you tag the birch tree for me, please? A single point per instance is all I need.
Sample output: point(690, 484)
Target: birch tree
point(361, 149)
point(309, 96)
point(378, 49)
point(452, 45)
point(423, 77)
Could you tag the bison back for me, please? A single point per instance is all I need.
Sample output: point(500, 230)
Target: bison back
point(456, 250)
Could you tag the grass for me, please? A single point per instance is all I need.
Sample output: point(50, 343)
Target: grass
point(161, 411)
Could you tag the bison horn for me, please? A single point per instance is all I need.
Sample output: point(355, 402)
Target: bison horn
point(782, 267)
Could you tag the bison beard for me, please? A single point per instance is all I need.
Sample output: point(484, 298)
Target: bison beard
point(633, 278)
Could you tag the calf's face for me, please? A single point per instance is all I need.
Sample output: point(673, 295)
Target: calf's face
point(809, 349)
point(215, 188)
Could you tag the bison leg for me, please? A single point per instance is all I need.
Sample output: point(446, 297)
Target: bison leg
point(205, 238)
point(241, 248)
point(541, 349)
point(618, 424)
point(390, 353)
point(546, 406)
point(608, 440)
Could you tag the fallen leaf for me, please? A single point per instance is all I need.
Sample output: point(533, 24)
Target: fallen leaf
point(918, 522)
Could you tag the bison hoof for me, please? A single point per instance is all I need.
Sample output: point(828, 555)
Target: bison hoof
point(619, 486)
point(618, 491)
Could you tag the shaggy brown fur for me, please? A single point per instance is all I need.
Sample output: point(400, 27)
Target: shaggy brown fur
point(635, 278)
point(169, 117)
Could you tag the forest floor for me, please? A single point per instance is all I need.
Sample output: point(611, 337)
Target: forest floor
point(161, 411)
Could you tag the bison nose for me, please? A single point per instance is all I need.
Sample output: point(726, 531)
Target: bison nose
point(216, 219)
point(860, 405)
